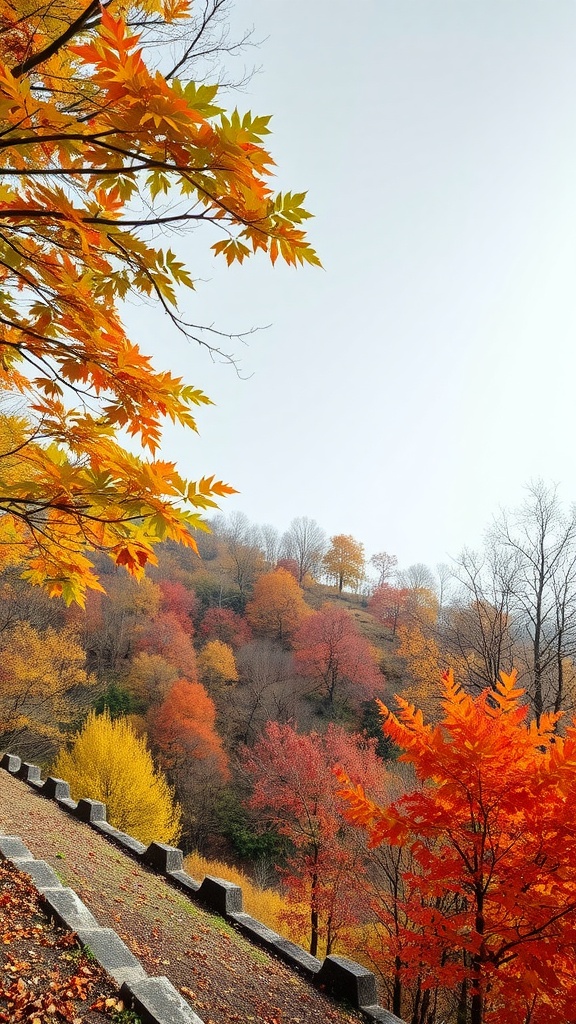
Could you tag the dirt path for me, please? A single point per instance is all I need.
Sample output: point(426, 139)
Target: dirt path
point(226, 979)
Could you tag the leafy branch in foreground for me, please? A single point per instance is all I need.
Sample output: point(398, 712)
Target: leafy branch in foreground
point(99, 151)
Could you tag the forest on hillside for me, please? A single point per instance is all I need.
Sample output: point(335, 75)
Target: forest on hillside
point(220, 689)
point(232, 684)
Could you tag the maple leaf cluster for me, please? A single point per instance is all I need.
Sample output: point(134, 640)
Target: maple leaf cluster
point(97, 151)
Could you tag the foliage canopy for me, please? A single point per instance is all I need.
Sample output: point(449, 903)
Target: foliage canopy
point(108, 762)
point(492, 826)
point(100, 150)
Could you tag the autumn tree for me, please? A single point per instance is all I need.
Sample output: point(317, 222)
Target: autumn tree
point(479, 627)
point(387, 604)
point(180, 601)
point(344, 562)
point(183, 727)
point(270, 543)
point(106, 142)
point(491, 821)
point(331, 653)
point(114, 622)
point(293, 785)
point(277, 607)
point(418, 576)
point(289, 565)
point(150, 678)
point(184, 737)
point(425, 660)
point(216, 664)
point(165, 636)
point(305, 543)
point(44, 686)
point(108, 762)
point(225, 625)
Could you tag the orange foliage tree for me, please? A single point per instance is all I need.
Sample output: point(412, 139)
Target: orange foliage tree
point(101, 149)
point(184, 728)
point(492, 823)
point(293, 785)
point(277, 607)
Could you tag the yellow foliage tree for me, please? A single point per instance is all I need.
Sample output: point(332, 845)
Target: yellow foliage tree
point(108, 761)
point(150, 677)
point(42, 677)
point(216, 664)
point(425, 661)
point(344, 562)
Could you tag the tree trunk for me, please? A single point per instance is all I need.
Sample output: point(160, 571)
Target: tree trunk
point(314, 917)
point(461, 1016)
point(397, 990)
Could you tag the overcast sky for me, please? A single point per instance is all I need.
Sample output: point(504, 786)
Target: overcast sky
point(419, 380)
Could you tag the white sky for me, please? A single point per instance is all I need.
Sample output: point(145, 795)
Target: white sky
point(427, 373)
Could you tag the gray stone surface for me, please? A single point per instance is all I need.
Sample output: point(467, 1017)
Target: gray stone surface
point(128, 843)
point(40, 872)
point(163, 858)
point(68, 805)
point(156, 1001)
point(56, 789)
point(183, 881)
point(222, 896)
point(11, 763)
point(12, 846)
point(29, 772)
point(112, 954)
point(380, 1016)
point(345, 979)
point(90, 810)
point(69, 910)
point(297, 957)
point(255, 930)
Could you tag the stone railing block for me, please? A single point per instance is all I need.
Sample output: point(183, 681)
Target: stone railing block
point(68, 909)
point(222, 896)
point(56, 789)
point(163, 858)
point(128, 843)
point(67, 804)
point(345, 979)
point(29, 772)
point(255, 930)
point(183, 881)
point(378, 1015)
point(90, 810)
point(40, 872)
point(11, 763)
point(297, 957)
point(156, 1001)
point(113, 954)
point(12, 847)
